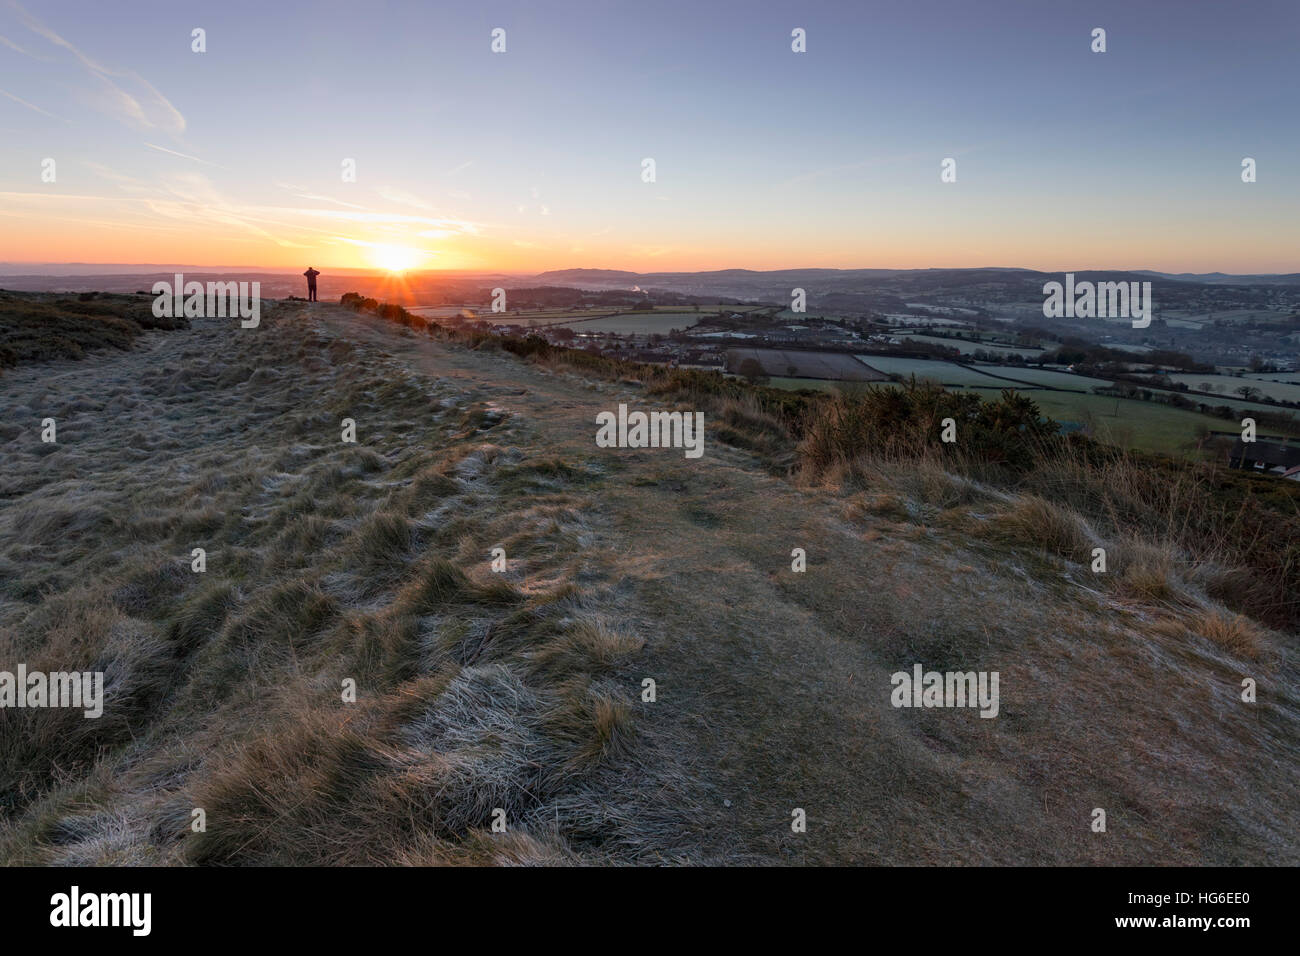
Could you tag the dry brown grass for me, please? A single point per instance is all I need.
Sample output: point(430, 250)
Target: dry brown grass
point(325, 562)
point(518, 691)
point(1235, 633)
point(1031, 521)
point(1146, 570)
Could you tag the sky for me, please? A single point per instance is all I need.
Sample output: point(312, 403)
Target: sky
point(764, 158)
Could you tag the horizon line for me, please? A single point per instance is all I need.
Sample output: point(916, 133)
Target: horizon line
point(146, 267)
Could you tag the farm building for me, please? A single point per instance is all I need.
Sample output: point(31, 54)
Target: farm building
point(1271, 456)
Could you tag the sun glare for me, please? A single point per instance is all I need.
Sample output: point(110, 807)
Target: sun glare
point(395, 258)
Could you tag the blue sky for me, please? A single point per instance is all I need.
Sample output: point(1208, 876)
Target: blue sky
point(764, 158)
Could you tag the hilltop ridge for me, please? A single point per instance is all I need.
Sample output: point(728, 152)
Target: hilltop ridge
point(524, 689)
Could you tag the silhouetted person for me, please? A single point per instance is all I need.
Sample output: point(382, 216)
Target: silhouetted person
point(311, 275)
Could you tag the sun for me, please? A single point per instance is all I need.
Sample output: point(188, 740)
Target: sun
point(395, 258)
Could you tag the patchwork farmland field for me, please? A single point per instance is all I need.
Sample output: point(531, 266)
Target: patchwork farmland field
point(967, 347)
point(1147, 426)
point(1199, 319)
point(792, 363)
point(943, 372)
point(815, 384)
point(1047, 377)
point(1227, 385)
point(532, 318)
point(638, 323)
point(1130, 423)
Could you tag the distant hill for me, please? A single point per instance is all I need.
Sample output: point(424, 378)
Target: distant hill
point(843, 278)
point(1224, 278)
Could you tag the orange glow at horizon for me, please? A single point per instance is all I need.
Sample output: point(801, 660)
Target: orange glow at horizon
point(54, 231)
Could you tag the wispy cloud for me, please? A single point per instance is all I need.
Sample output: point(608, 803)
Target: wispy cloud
point(30, 106)
point(393, 194)
point(172, 152)
point(316, 197)
point(146, 108)
point(189, 200)
point(388, 218)
point(14, 46)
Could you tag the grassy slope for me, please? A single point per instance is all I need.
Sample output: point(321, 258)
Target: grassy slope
point(522, 690)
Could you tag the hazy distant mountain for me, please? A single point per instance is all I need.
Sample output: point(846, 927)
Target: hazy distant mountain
point(603, 278)
point(829, 286)
point(1224, 278)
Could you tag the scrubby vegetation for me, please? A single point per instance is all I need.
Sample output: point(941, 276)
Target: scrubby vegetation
point(36, 327)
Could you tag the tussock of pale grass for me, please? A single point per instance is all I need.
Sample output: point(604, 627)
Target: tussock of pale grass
point(585, 645)
point(1031, 521)
point(82, 630)
point(926, 480)
point(484, 848)
point(1235, 633)
point(379, 550)
point(744, 423)
point(436, 583)
point(882, 504)
point(1146, 570)
point(438, 760)
point(288, 613)
point(202, 613)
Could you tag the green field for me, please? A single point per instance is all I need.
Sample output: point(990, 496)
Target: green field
point(1046, 376)
point(1227, 385)
point(798, 363)
point(1130, 423)
point(1198, 319)
point(967, 347)
point(943, 372)
point(817, 384)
